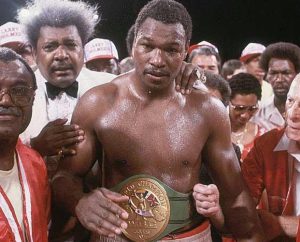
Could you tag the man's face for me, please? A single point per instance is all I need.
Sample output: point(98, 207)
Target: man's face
point(59, 55)
point(292, 109)
point(24, 50)
point(13, 117)
point(104, 65)
point(242, 108)
point(253, 68)
point(158, 53)
point(281, 73)
point(206, 62)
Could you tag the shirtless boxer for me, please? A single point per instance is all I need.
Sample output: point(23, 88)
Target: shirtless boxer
point(145, 127)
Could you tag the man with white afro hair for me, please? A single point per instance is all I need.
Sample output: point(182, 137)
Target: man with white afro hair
point(57, 31)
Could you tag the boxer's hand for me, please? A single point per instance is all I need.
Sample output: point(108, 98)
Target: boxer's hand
point(56, 136)
point(188, 75)
point(207, 200)
point(100, 213)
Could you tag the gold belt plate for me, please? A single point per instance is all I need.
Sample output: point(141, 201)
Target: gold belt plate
point(148, 209)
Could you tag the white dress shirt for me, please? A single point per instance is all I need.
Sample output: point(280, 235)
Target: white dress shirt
point(44, 109)
point(268, 116)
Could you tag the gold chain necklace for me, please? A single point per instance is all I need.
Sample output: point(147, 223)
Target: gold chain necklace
point(237, 137)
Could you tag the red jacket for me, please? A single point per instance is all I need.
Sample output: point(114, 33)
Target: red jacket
point(36, 176)
point(265, 168)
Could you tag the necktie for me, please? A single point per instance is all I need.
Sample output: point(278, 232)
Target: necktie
point(53, 91)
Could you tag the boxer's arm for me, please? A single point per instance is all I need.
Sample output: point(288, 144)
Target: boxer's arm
point(67, 183)
point(238, 207)
point(98, 211)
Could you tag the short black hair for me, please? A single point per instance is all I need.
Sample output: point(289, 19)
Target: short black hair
point(8, 55)
point(281, 50)
point(167, 12)
point(59, 14)
point(205, 50)
point(130, 39)
point(217, 82)
point(230, 66)
point(244, 84)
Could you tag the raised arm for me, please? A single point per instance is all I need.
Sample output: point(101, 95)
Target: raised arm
point(240, 215)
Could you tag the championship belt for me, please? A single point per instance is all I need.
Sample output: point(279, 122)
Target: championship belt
point(154, 209)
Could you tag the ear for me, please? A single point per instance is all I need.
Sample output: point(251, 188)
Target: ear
point(132, 49)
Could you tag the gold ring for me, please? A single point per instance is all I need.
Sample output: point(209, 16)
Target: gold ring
point(60, 153)
point(197, 72)
point(200, 75)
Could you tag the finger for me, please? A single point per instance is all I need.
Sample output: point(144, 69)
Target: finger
point(59, 121)
point(107, 217)
point(112, 224)
point(179, 77)
point(95, 224)
point(210, 198)
point(64, 141)
point(195, 75)
point(67, 128)
point(186, 75)
point(112, 206)
point(213, 188)
point(206, 213)
point(206, 205)
point(203, 189)
point(114, 196)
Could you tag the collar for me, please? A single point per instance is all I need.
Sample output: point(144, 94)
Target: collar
point(272, 113)
point(286, 144)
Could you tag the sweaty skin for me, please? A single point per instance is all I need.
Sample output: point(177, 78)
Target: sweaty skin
point(145, 126)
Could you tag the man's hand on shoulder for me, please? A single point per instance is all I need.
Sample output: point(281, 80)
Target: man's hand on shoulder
point(189, 76)
point(100, 213)
point(55, 137)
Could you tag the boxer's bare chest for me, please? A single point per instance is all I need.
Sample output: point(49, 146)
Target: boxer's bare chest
point(161, 137)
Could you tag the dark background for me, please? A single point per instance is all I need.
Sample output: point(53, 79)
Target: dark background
point(229, 24)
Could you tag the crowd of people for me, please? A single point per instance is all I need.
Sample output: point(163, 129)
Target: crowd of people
point(171, 143)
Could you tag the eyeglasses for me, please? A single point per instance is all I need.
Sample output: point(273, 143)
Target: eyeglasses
point(243, 109)
point(20, 95)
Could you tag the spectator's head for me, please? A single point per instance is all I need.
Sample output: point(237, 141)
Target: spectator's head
point(206, 56)
point(218, 87)
point(281, 62)
point(231, 68)
point(102, 55)
point(57, 31)
point(245, 94)
point(250, 57)
point(292, 109)
point(17, 86)
point(126, 64)
point(12, 36)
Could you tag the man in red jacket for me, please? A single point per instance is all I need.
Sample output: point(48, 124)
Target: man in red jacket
point(274, 165)
point(24, 190)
